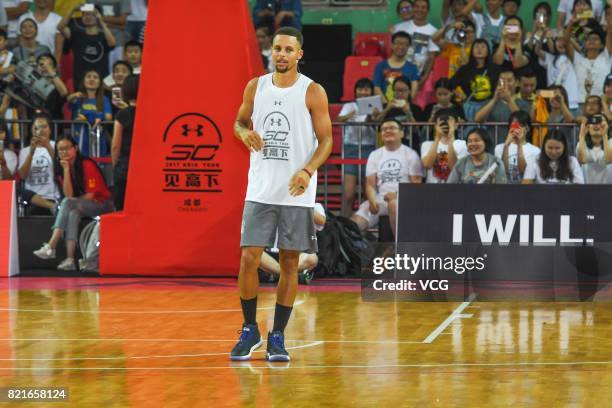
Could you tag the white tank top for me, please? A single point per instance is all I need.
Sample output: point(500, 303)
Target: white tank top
point(281, 118)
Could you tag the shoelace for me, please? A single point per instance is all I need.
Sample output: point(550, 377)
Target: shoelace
point(277, 340)
point(243, 335)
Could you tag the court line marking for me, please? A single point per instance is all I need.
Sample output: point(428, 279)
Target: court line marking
point(8, 309)
point(313, 344)
point(307, 367)
point(223, 341)
point(456, 314)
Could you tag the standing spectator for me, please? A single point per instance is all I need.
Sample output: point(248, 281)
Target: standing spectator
point(132, 53)
point(510, 53)
point(85, 194)
point(47, 21)
point(489, 24)
point(594, 150)
point(89, 104)
point(36, 166)
point(404, 12)
point(554, 165)
point(90, 46)
point(358, 143)
point(29, 49)
point(516, 151)
point(421, 31)
point(137, 19)
point(503, 102)
point(593, 64)
point(122, 139)
point(8, 159)
point(510, 8)
point(456, 42)
point(474, 82)
point(14, 9)
point(115, 14)
point(264, 40)
point(386, 71)
point(565, 11)
point(278, 13)
point(458, 10)
point(46, 65)
point(439, 157)
point(479, 163)
point(541, 14)
point(387, 166)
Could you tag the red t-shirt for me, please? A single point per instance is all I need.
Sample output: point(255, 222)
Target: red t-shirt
point(93, 181)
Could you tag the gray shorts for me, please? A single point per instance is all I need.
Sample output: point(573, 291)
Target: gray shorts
point(295, 226)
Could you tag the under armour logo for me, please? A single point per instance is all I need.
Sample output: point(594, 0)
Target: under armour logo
point(197, 129)
point(275, 122)
point(279, 103)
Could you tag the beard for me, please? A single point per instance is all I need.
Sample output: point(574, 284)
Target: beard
point(281, 70)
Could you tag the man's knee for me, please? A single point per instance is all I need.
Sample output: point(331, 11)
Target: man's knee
point(250, 256)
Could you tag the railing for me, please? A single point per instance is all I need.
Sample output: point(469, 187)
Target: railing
point(424, 130)
point(344, 3)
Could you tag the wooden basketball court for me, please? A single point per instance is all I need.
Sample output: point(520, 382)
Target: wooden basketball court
point(165, 343)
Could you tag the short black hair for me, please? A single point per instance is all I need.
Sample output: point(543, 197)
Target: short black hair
point(391, 119)
point(401, 34)
point(129, 89)
point(526, 72)
point(426, 1)
point(292, 32)
point(514, 17)
point(3, 33)
point(484, 136)
point(122, 62)
point(542, 5)
point(446, 113)
point(364, 83)
point(132, 43)
point(443, 83)
point(518, 2)
point(47, 55)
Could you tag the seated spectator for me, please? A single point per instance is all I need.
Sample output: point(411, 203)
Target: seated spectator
point(400, 106)
point(594, 150)
point(264, 40)
point(29, 49)
point(387, 166)
point(516, 151)
point(122, 139)
point(306, 263)
point(36, 166)
point(510, 8)
point(552, 54)
point(510, 53)
point(358, 143)
point(503, 102)
point(278, 13)
point(550, 110)
point(85, 194)
point(7, 61)
point(444, 100)
point(528, 84)
point(404, 12)
point(8, 159)
point(132, 53)
point(89, 104)
point(554, 165)
point(480, 166)
point(47, 22)
point(567, 9)
point(89, 45)
point(456, 42)
point(46, 65)
point(420, 31)
point(386, 71)
point(489, 23)
point(593, 64)
point(474, 82)
point(439, 157)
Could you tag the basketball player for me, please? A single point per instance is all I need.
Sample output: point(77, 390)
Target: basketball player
point(290, 138)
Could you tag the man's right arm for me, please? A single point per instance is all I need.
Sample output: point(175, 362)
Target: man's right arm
point(24, 169)
point(242, 126)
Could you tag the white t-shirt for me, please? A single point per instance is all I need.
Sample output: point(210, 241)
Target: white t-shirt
point(596, 169)
point(512, 171)
point(562, 72)
point(5, 61)
point(596, 69)
point(440, 170)
point(479, 21)
point(40, 179)
point(532, 172)
point(351, 134)
point(392, 167)
point(11, 160)
point(565, 6)
point(421, 41)
point(139, 10)
point(47, 29)
point(13, 25)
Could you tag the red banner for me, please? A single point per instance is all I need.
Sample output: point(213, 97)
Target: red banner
point(9, 249)
point(187, 176)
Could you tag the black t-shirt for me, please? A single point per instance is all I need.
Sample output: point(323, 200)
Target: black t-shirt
point(126, 118)
point(90, 52)
point(480, 81)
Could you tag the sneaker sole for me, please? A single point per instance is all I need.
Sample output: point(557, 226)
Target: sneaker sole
point(248, 356)
point(45, 257)
point(277, 358)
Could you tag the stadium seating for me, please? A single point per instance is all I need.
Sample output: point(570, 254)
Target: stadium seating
point(354, 68)
point(372, 45)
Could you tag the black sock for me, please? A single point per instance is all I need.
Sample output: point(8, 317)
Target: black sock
point(281, 317)
point(249, 310)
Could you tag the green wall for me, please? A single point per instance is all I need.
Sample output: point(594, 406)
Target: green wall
point(379, 20)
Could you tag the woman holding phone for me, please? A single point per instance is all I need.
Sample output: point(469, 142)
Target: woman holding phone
point(594, 150)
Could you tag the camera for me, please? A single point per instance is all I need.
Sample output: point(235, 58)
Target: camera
point(30, 86)
point(460, 34)
point(87, 8)
point(595, 120)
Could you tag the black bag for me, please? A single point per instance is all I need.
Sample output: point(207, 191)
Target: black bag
point(342, 248)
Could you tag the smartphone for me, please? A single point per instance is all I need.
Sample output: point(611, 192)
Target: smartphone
point(116, 94)
point(515, 125)
point(585, 15)
point(545, 93)
point(540, 18)
point(513, 29)
point(87, 8)
point(2, 144)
